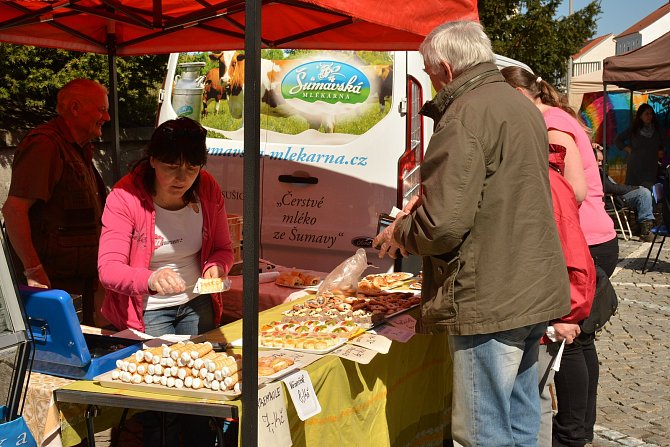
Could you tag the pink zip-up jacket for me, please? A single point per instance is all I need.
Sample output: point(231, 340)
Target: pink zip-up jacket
point(127, 244)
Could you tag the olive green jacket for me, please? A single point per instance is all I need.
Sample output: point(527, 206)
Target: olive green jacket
point(492, 259)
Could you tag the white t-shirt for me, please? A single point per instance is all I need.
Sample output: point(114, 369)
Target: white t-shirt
point(178, 241)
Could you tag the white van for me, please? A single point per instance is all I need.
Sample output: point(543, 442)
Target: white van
point(341, 143)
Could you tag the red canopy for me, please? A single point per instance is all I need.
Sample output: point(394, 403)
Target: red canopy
point(164, 26)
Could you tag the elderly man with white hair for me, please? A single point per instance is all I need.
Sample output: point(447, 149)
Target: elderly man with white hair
point(493, 268)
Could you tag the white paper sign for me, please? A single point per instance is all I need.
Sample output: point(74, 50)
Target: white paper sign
point(400, 334)
point(404, 320)
point(273, 427)
point(355, 353)
point(300, 388)
point(557, 360)
point(372, 341)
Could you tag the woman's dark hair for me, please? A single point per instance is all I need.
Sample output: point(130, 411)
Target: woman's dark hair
point(177, 141)
point(537, 88)
point(637, 121)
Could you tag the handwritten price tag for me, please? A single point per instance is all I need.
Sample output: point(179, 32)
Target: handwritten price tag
point(300, 388)
point(355, 353)
point(372, 341)
point(400, 334)
point(273, 428)
point(404, 320)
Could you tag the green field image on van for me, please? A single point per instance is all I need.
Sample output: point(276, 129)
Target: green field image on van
point(293, 125)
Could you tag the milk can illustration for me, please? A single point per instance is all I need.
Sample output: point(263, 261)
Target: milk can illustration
point(188, 90)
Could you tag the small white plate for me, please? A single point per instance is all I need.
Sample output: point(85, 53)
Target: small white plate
point(225, 285)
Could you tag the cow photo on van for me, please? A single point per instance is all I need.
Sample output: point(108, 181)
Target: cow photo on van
point(301, 90)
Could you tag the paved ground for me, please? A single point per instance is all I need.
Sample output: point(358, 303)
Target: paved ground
point(634, 352)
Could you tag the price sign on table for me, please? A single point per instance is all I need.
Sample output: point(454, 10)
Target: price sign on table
point(300, 388)
point(372, 341)
point(395, 333)
point(405, 321)
point(273, 428)
point(356, 354)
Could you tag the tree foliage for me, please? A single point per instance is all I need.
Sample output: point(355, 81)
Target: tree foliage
point(30, 78)
point(528, 31)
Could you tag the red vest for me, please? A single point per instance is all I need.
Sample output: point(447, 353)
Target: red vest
point(66, 229)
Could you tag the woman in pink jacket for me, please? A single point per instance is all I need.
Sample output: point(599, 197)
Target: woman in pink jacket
point(165, 226)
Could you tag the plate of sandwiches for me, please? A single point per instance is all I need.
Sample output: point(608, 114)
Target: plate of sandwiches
point(297, 279)
point(381, 282)
point(415, 285)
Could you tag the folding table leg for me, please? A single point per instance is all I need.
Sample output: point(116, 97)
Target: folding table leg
point(91, 412)
point(219, 430)
point(163, 429)
point(115, 436)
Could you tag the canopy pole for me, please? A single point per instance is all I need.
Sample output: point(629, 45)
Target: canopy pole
point(113, 106)
point(605, 164)
point(251, 223)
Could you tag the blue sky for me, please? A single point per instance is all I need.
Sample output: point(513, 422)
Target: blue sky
point(616, 15)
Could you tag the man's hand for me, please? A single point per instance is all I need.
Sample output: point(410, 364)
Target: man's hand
point(166, 282)
point(385, 242)
point(413, 204)
point(37, 277)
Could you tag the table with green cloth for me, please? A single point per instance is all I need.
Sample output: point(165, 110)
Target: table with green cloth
point(402, 398)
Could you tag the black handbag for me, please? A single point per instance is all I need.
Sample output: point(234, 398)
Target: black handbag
point(605, 303)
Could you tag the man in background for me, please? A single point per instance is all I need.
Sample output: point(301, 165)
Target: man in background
point(52, 213)
point(638, 197)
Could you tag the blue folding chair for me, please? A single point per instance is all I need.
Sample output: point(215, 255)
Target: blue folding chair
point(660, 230)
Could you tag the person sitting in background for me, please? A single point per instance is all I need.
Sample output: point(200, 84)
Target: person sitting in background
point(638, 197)
point(643, 141)
point(52, 213)
point(164, 226)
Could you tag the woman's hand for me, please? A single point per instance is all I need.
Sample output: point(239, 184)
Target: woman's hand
point(214, 271)
point(166, 282)
point(566, 331)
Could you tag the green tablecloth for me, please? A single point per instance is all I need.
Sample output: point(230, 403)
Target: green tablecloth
point(400, 398)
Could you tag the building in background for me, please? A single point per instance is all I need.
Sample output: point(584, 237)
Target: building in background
point(587, 64)
point(587, 68)
point(645, 31)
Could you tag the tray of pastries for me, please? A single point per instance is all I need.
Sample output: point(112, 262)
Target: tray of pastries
point(382, 282)
point(182, 369)
point(362, 310)
point(297, 279)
